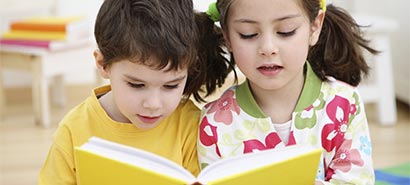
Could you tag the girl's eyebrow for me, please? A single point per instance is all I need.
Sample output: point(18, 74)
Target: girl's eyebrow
point(250, 21)
point(132, 78)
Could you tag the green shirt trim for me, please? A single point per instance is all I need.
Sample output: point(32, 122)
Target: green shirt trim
point(310, 92)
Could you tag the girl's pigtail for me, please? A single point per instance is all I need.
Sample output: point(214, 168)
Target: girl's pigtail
point(213, 66)
point(339, 50)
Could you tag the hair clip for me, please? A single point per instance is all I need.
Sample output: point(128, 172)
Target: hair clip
point(323, 5)
point(213, 12)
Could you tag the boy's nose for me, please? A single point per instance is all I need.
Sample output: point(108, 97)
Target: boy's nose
point(152, 101)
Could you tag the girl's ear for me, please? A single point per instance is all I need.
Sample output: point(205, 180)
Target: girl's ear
point(99, 62)
point(227, 41)
point(316, 27)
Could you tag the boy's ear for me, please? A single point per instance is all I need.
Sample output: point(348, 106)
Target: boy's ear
point(316, 28)
point(99, 62)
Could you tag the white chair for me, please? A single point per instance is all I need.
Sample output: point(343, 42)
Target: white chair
point(379, 88)
point(45, 67)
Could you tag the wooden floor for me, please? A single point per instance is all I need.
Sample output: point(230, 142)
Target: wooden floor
point(24, 145)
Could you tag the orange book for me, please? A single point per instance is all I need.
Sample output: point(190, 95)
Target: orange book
point(50, 24)
point(38, 26)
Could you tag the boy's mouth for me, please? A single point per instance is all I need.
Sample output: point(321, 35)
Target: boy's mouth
point(149, 119)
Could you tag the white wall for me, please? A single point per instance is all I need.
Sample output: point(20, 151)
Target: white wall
point(398, 10)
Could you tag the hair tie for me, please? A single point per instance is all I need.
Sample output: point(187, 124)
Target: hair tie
point(323, 5)
point(213, 12)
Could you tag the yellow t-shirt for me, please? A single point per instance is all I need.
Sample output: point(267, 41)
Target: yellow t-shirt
point(174, 138)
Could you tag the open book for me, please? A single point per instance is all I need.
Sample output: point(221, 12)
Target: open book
point(104, 162)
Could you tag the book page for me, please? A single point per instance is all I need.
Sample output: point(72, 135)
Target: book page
point(138, 157)
point(250, 161)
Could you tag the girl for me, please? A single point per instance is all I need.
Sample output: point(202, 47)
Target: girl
point(303, 61)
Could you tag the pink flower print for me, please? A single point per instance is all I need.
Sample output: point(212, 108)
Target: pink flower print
point(271, 140)
point(208, 134)
point(338, 110)
point(253, 144)
point(224, 108)
point(346, 157)
point(309, 108)
point(353, 109)
point(330, 172)
point(291, 140)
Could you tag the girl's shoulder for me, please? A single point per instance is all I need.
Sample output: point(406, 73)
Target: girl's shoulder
point(332, 87)
point(227, 95)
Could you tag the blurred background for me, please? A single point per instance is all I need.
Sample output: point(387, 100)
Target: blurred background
point(24, 144)
point(397, 11)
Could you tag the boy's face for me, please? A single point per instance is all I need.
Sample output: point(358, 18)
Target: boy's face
point(142, 95)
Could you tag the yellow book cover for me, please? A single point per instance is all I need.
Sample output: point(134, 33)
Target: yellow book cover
point(104, 162)
point(34, 35)
point(53, 19)
point(44, 35)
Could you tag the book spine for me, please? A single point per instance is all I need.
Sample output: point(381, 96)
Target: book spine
point(38, 27)
point(29, 43)
point(54, 19)
point(33, 35)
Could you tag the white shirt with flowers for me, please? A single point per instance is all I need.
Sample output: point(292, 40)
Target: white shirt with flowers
point(329, 115)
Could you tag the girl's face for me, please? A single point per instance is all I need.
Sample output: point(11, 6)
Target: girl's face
point(142, 95)
point(269, 40)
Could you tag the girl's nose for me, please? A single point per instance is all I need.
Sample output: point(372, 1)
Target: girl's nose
point(267, 46)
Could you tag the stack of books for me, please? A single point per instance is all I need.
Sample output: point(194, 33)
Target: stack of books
point(52, 33)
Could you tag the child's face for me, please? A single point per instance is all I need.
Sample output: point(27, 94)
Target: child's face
point(142, 95)
point(270, 41)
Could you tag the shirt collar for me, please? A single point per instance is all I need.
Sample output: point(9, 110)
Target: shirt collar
point(310, 92)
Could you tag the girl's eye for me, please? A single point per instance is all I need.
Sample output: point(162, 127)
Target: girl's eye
point(247, 36)
point(135, 85)
point(287, 34)
point(171, 86)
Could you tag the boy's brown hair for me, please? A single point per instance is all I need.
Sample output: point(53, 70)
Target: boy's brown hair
point(165, 29)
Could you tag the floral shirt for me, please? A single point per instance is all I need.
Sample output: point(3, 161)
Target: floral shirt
point(329, 114)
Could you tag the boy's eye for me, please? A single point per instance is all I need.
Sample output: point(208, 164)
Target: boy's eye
point(171, 86)
point(133, 85)
point(247, 36)
point(287, 34)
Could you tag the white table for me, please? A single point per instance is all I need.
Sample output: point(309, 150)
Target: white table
point(44, 65)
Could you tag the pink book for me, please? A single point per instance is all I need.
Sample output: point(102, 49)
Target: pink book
point(50, 45)
point(31, 43)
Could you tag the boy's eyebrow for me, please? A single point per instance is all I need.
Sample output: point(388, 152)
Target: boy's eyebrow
point(177, 79)
point(139, 80)
point(244, 20)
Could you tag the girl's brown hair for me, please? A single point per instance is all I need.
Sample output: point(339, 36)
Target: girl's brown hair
point(339, 50)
